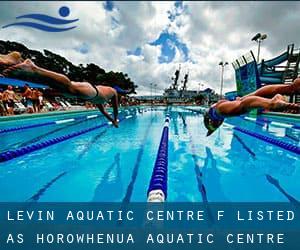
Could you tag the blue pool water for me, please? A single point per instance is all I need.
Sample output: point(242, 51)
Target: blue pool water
point(110, 164)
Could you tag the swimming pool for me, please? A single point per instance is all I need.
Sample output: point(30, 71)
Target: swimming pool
point(109, 164)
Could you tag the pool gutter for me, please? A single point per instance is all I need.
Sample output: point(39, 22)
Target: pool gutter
point(46, 114)
point(281, 115)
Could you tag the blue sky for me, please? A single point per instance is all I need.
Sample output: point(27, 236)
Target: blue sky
point(168, 41)
point(148, 40)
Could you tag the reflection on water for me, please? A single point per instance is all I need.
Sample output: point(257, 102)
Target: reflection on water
point(276, 184)
point(110, 186)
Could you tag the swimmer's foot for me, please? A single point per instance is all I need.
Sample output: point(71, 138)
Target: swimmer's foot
point(279, 104)
point(10, 59)
point(27, 66)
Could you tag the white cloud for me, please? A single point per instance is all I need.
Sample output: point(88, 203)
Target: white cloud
point(212, 31)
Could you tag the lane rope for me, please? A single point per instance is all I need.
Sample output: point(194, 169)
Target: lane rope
point(11, 154)
point(158, 186)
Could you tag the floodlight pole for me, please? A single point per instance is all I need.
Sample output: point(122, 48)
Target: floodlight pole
point(258, 50)
point(259, 38)
point(222, 64)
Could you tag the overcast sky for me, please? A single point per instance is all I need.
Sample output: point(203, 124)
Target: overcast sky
point(148, 40)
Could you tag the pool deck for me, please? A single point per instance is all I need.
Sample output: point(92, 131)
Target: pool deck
point(281, 115)
point(45, 114)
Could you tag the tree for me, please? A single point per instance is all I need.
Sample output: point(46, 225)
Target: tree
point(54, 62)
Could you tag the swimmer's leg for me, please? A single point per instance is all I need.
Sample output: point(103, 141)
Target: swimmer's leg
point(247, 103)
point(63, 81)
point(282, 89)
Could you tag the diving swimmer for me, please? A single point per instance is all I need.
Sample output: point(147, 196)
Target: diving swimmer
point(96, 94)
point(267, 97)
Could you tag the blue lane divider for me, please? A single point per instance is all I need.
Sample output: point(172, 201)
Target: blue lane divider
point(157, 191)
point(287, 146)
point(11, 154)
point(6, 130)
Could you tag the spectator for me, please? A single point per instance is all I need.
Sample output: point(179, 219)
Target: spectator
point(9, 98)
point(35, 100)
point(27, 95)
point(3, 110)
point(41, 100)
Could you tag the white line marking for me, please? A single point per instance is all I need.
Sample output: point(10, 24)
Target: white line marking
point(279, 124)
point(91, 116)
point(64, 121)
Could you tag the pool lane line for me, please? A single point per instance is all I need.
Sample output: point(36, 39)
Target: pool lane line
point(281, 144)
point(57, 122)
point(88, 145)
point(250, 119)
point(37, 196)
point(94, 140)
point(158, 186)
point(197, 167)
point(40, 137)
point(259, 121)
point(280, 124)
point(244, 145)
point(276, 184)
point(11, 154)
point(104, 179)
point(40, 192)
point(193, 110)
point(199, 174)
point(137, 164)
point(262, 121)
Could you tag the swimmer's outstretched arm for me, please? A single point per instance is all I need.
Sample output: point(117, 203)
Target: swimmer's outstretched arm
point(115, 105)
point(107, 115)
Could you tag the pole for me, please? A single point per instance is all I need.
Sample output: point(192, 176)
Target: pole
point(222, 80)
point(151, 93)
point(258, 51)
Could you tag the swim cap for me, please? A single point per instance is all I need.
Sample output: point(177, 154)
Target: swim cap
point(211, 124)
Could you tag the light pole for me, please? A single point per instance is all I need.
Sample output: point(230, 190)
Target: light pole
point(151, 89)
point(222, 64)
point(259, 38)
point(155, 85)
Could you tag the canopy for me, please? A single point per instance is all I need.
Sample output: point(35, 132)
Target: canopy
point(18, 83)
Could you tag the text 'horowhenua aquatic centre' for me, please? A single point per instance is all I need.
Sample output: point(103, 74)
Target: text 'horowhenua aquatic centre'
point(174, 116)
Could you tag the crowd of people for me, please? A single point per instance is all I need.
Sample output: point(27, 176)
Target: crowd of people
point(31, 98)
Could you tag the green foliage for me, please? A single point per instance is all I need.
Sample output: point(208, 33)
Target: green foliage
point(54, 62)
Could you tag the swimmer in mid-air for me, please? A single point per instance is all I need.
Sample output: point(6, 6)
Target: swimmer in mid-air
point(96, 94)
point(268, 97)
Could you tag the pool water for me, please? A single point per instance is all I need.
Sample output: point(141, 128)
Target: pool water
point(110, 164)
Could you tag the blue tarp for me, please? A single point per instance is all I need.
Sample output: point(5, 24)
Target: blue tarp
point(18, 83)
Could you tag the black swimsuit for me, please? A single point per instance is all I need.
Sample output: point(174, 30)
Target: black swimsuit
point(97, 93)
